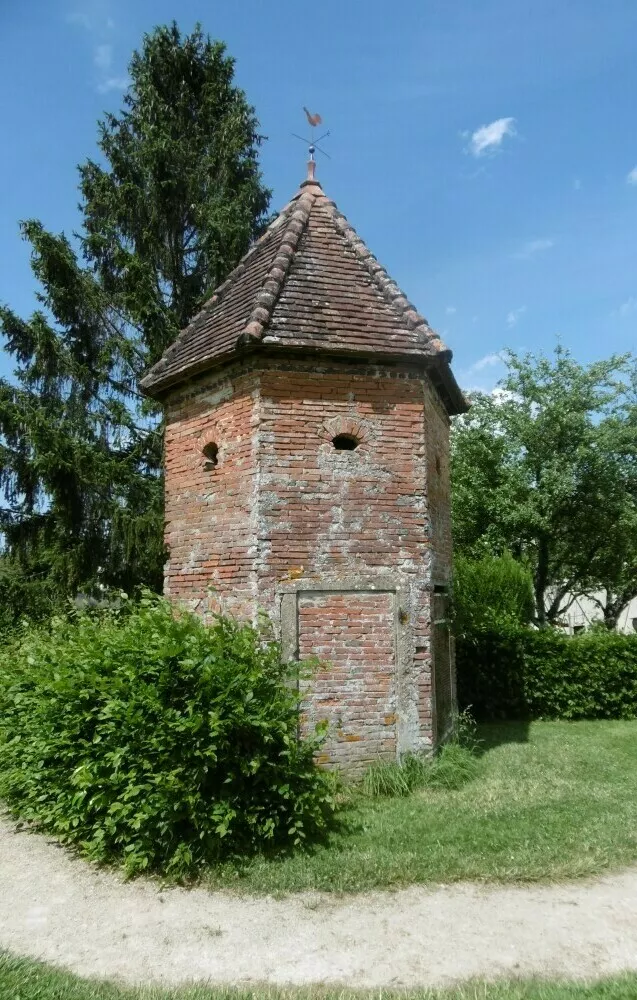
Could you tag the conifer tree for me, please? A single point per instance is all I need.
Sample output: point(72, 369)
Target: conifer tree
point(169, 208)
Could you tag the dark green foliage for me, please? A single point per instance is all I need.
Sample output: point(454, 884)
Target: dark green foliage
point(490, 589)
point(508, 671)
point(171, 206)
point(21, 596)
point(144, 737)
point(182, 196)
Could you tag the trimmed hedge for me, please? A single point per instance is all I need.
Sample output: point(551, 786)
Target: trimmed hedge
point(489, 590)
point(509, 671)
point(146, 738)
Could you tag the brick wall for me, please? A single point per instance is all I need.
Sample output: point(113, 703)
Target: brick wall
point(327, 510)
point(284, 505)
point(354, 689)
point(210, 513)
point(325, 514)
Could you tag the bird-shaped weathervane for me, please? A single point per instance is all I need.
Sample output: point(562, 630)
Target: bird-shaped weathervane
point(314, 120)
point(312, 143)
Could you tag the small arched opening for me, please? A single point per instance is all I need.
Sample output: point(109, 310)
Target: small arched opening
point(345, 442)
point(211, 456)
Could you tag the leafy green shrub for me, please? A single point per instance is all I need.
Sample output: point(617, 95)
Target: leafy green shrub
point(508, 671)
point(143, 736)
point(489, 590)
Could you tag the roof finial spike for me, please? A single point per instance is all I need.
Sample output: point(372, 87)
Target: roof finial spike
point(311, 167)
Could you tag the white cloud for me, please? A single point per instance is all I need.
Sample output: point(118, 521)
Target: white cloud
point(90, 14)
point(486, 362)
point(81, 17)
point(514, 315)
point(532, 247)
point(489, 138)
point(632, 176)
point(450, 310)
point(113, 83)
point(94, 18)
point(577, 184)
point(627, 308)
point(103, 56)
point(483, 374)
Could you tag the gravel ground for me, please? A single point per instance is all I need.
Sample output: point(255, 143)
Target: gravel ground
point(57, 908)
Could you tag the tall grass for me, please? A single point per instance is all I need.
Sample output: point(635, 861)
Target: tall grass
point(452, 767)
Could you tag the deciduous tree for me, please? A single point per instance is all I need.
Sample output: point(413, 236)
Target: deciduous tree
point(546, 467)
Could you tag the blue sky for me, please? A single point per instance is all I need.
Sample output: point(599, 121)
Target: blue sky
point(483, 150)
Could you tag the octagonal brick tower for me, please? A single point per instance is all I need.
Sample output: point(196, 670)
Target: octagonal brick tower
point(307, 476)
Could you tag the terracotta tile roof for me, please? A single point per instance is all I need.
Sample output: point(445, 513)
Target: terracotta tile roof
point(309, 282)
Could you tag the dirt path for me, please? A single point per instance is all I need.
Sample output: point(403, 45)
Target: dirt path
point(61, 910)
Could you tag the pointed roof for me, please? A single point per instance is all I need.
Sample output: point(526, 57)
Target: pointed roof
point(311, 283)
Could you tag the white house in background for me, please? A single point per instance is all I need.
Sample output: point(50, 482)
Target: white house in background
point(584, 611)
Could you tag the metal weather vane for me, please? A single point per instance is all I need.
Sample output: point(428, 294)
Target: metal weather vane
point(312, 143)
point(314, 120)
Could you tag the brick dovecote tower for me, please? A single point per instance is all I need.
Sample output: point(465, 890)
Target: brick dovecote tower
point(307, 475)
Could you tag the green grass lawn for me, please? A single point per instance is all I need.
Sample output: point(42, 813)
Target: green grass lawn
point(25, 980)
point(550, 801)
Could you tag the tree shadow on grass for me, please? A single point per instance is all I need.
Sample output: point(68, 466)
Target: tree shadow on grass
point(494, 734)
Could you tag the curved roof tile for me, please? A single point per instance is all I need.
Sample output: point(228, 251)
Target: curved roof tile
point(309, 282)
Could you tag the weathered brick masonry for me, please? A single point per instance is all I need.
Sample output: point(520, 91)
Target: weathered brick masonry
point(355, 687)
point(211, 525)
point(325, 398)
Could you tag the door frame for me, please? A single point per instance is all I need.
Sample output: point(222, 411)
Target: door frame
point(289, 593)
